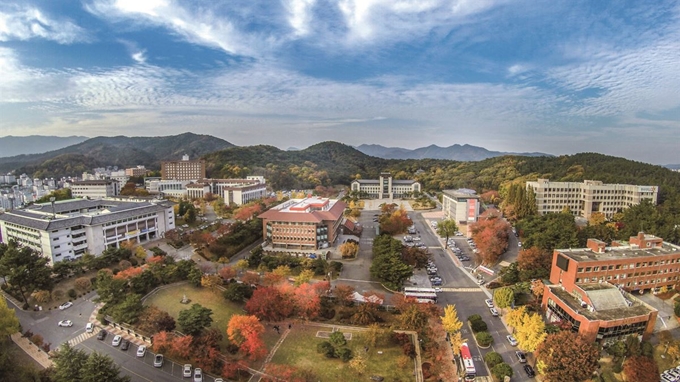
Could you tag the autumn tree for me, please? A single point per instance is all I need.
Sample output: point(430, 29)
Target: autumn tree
point(246, 332)
point(413, 318)
point(534, 263)
point(153, 320)
point(304, 277)
point(227, 273)
point(344, 294)
point(447, 228)
point(530, 332)
point(566, 356)
point(307, 301)
point(349, 249)
point(83, 283)
point(268, 304)
point(452, 326)
point(641, 369)
point(491, 235)
point(9, 323)
point(415, 257)
point(162, 342)
point(503, 297)
point(41, 296)
point(211, 281)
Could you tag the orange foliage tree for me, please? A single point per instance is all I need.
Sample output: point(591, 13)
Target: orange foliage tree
point(534, 263)
point(227, 273)
point(641, 369)
point(162, 342)
point(344, 294)
point(491, 235)
point(128, 273)
point(181, 346)
point(307, 301)
point(246, 332)
point(267, 303)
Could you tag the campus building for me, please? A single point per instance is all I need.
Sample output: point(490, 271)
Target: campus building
point(237, 191)
point(303, 224)
point(183, 170)
point(590, 286)
point(136, 171)
point(65, 230)
point(385, 187)
point(94, 189)
point(460, 205)
point(582, 199)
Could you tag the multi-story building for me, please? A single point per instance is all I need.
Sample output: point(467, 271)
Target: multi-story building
point(237, 191)
point(460, 205)
point(590, 285)
point(66, 230)
point(135, 171)
point(385, 187)
point(303, 224)
point(8, 179)
point(94, 189)
point(583, 199)
point(183, 170)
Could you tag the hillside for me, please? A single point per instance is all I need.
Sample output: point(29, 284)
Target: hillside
point(455, 152)
point(35, 144)
point(113, 151)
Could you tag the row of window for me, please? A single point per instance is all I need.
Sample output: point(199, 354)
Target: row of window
point(641, 264)
point(129, 219)
point(623, 276)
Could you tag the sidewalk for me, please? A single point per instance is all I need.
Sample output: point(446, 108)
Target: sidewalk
point(32, 350)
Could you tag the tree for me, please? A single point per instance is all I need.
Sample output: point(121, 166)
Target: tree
point(68, 363)
point(503, 297)
point(153, 320)
point(195, 319)
point(242, 265)
point(566, 356)
point(211, 281)
point(246, 332)
point(366, 313)
point(349, 249)
point(304, 277)
point(181, 346)
point(268, 304)
point(484, 339)
point(413, 318)
point(501, 370)
point(83, 283)
point(237, 292)
point(162, 342)
point(344, 294)
point(515, 316)
point(100, 367)
point(307, 301)
point(24, 269)
point(41, 296)
point(450, 320)
point(534, 263)
point(227, 273)
point(510, 274)
point(531, 332)
point(447, 228)
point(358, 364)
point(492, 359)
point(128, 310)
point(9, 323)
point(641, 368)
point(491, 235)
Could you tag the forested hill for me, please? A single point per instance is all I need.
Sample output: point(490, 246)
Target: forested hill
point(112, 151)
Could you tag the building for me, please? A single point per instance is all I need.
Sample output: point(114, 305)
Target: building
point(68, 229)
point(385, 187)
point(303, 224)
point(582, 199)
point(94, 189)
point(136, 171)
point(183, 170)
point(590, 286)
point(8, 179)
point(460, 205)
point(237, 191)
point(176, 188)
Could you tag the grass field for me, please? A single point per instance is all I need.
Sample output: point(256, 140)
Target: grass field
point(299, 350)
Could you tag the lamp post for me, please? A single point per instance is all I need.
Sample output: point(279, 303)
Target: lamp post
point(52, 199)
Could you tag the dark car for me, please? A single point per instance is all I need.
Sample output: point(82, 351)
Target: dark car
point(529, 370)
point(101, 335)
point(125, 345)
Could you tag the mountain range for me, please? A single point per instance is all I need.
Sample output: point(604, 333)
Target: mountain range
point(35, 144)
point(464, 153)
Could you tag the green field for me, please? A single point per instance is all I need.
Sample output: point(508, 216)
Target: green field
point(299, 350)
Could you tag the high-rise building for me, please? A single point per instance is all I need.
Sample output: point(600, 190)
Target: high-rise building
point(136, 171)
point(461, 206)
point(183, 170)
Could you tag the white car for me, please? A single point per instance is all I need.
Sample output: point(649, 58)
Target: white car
point(494, 312)
point(198, 375)
point(116, 340)
point(89, 328)
point(489, 303)
point(519, 243)
point(141, 351)
point(186, 370)
point(65, 323)
point(65, 305)
point(437, 290)
point(512, 340)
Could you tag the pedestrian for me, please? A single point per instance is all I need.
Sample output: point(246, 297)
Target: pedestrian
point(290, 326)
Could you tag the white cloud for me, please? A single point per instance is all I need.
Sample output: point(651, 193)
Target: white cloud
point(139, 57)
point(21, 22)
point(299, 15)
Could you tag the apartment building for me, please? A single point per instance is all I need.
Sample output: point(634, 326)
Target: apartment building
point(460, 205)
point(94, 189)
point(136, 171)
point(68, 229)
point(183, 170)
point(303, 224)
point(587, 197)
point(385, 187)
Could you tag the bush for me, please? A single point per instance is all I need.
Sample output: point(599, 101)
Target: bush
point(484, 339)
point(72, 293)
point(336, 266)
point(502, 370)
point(677, 310)
point(478, 326)
point(345, 354)
point(326, 349)
point(475, 317)
point(492, 359)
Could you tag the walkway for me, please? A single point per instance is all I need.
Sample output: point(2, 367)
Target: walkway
point(32, 350)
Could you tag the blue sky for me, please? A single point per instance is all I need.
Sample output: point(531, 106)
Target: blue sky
point(553, 76)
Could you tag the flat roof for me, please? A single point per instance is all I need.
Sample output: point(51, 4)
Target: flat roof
point(298, 210)
point(619, 253)
point(634, 309)
point(461, 193)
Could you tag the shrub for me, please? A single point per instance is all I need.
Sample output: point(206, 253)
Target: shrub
point(345, 354)
point(401, 338)
point(409, 350)
point(502, 370)
point(83, 283)
point(677, 310)
point(326, 349)
point(484, 339)
point(478, 326)
point(492, 359)
point(72, 293)
point(57, 294)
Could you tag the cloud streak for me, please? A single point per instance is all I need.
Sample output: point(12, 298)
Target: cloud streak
point(22, 22)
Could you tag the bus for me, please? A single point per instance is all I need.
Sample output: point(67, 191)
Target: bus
point(422, 295)
point(467, 364)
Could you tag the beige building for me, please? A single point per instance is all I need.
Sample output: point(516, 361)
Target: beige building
point(136, 171)
point(183, 170)
point(386, 187)
point(95, 189)
point(589, 196)
point(460, 205)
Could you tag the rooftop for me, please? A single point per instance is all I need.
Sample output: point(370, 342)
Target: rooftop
point(312, 209)
point(621, 252)
point(462, 193)
point(608, 302)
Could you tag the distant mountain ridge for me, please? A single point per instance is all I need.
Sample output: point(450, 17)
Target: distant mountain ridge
point(35, 144)
point(455, 152)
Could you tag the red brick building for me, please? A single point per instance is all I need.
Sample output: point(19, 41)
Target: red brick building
point(303, 224)
point(590, 286)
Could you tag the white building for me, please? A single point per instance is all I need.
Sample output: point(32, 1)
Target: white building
point(460, 205)
point(590, 196)
point(68, 229)
point(385, 187)
point(94, 189)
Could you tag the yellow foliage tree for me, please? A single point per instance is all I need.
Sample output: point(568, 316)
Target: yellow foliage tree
point(349, 249)
point(531, 332)
point(358, 363)
point(304, 277)
point(596, 218)
point(515, 317)
point(282, 270)
point(211, 281)
point(242, 265)
point(452, 325)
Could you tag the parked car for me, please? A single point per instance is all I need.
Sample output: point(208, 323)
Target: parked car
point(519, 243)
point(158, 360)
point(437, 283)
point(116, 340)
point(481, 281)
point(521, 357)
point(494, 312)
point(141, 351)
point(530, 371)
point(89, 328)
point(65, 305)
point(512, 340)
point(437, 290)
point(125, 345)
point(489, 303)
point(65, 323)
point(101, 335)
point(198, 375)
point(186, 370)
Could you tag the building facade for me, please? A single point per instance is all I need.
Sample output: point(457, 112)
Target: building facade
point(183, 170)
point(68, 229)
point(94, 189)
point(386, 187)
point(583, 199)
point(303, 224)
point(460, 205)
point(136, 171)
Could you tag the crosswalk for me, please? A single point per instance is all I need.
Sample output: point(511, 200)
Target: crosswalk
point(80, 338)
point(461, 290)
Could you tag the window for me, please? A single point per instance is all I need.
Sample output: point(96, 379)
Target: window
point(580, 270)
point(595, 269)
point(588, 269)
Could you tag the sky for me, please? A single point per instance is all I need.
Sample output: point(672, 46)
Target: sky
point(553, 76)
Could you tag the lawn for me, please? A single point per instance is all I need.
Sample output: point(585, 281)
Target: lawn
point(299, 350)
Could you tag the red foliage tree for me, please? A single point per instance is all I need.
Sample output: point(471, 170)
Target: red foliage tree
point(534, 263)
point(246, 332)
point(344, 294)
point(227, 273)
point(268, 304)
point(271, 279)
point(156, 260)
point(491, 235)
point(181, 346)
point(251, 278)
point(282, 373)
point(162, 342)
point(307, 301)
point(128, 273)
point(641, 369)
